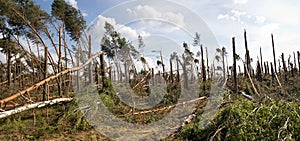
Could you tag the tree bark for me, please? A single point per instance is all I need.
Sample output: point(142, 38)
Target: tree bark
point(8, 72)
point(32, 106)
point(207, 65)
point(234, 66)
point(274, 56)
point(247, 52)
point(45, 94)
point(171, 71)
point(59, 65)
point(298, 53)
point(90, 55)
point(261, 60)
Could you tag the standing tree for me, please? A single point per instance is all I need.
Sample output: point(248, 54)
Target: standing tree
point(221, 54)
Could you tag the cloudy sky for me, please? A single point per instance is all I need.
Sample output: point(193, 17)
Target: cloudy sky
point(165, 25)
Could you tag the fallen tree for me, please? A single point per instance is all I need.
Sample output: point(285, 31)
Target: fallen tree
point(32, 106)
point(35, 86)
point(171, 106)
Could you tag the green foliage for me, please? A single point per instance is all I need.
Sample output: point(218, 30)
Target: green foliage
point(245, 120)
point(71, 17)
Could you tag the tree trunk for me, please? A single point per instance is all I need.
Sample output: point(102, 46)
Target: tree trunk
point(207, 65)
point(248, 62)
point(274, 56)
point(284, 67)
point(261, 61)
point(8, 72)
point(234, 66)
point(203, 65)
point(102, 68)
point(298, 53)
point(33, 106)
point(203, 72)
point(223, 62)
point(272, 71)
point(59, 65)
point(171, 71)
point(90, 65)
point(178, 74)
point(258, 71)
point(295, 61)
point(185, 72)
point(163, 65)
point(78, 63)
point(45, 94)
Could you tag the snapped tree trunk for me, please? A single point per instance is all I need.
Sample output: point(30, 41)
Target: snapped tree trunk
point(298, 53)
point(234, 66)
point(261, 61)
point(171, 71)
point(248, 62)
point(207, 65)
point(284, 67)
point(90, 55)
point(274, 56)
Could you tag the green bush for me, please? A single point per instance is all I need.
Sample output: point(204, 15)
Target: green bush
point(245, 120)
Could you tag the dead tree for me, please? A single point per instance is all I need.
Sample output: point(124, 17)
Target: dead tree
point(274, 56)
point(45, 94)
point(208, 73)
point(203, 65)
point(37, 85)
point(261, 61)
point(295, 61)
point(102, 68)
point(234, 66)
point(298, 53)
point(248, 62)
point(258, 71)
point(90, 55)
point(8, 72)
point(178, 74)
point(266, 68)
point(171, 71)
point(284, 67)
point(185, 75)
point(272, 71)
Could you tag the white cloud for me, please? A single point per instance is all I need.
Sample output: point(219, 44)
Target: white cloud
point(146, 11)
point(225, 16)
point(240, 1)
point(96, 29)
point(237, 13)
point(260, 19)
point(72, 3)
point(84, 14)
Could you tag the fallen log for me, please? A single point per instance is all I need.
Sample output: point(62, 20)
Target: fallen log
point(188, 120)
point(170, 107)
point(32, 106)
point(35, 86)
point(4, 82)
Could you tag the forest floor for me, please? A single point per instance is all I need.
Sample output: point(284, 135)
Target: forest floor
point(66, 122)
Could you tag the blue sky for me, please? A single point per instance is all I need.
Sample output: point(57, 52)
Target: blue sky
point(170, 19)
